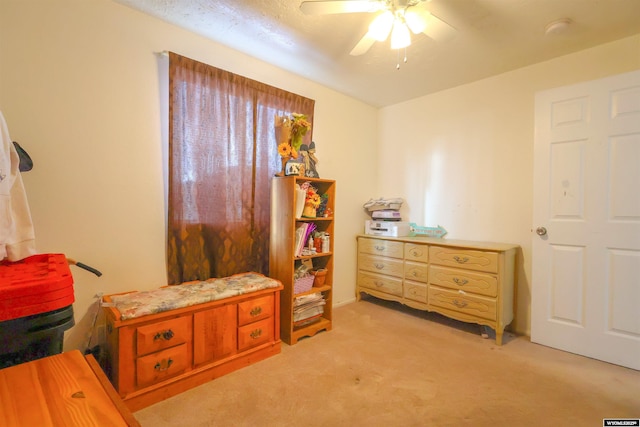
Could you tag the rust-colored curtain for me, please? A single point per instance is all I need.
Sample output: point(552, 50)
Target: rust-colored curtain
point(222, 156)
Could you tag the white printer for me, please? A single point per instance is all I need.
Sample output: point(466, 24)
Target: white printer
point(387, 228)
point(385, 218)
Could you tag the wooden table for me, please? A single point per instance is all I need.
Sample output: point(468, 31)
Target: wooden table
point(66, 389)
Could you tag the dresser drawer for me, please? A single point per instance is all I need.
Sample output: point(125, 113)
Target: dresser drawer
point(416, 271)
point(413, 252)
point(154, 337)
point(255, 309)
point(161, 365)
point(380, 247)
point(462, 302)
point(464, 258)
point(415, 291)
point(468, 281)
point(255, 334)
point(382, 265)
point(378, 282)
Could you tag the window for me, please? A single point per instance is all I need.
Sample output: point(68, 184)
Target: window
point(222, 156)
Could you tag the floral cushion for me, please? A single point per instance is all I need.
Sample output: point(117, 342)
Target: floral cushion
point(142, 303)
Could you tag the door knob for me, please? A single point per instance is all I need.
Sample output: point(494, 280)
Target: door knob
point(541, 231)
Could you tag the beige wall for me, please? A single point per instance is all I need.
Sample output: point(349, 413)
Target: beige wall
point(463, 158)
point(82, 90)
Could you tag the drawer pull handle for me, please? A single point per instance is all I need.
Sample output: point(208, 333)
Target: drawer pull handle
point(414, 273)
point(459, 304)
point(379, 248)
point(378, 284)
point(160, 366)
point(379, 266)
point(460, 260)
point(460, 282)
point(255, 311)
point(164, 335)
point(256, 334)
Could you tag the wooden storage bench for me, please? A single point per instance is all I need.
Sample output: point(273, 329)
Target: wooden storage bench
point(165, 341)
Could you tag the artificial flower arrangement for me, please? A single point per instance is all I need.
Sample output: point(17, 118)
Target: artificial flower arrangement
point(289, 134)
point(312, 200)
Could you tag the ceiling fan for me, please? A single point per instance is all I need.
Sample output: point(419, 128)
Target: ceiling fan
point(395, 17)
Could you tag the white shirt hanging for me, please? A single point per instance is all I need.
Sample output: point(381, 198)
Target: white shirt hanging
point(17, 238)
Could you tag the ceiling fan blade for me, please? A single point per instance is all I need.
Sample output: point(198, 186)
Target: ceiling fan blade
point(327, 7)
point(363, 45)
point(439, 30)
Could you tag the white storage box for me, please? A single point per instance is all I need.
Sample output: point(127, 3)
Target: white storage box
point(387, 228)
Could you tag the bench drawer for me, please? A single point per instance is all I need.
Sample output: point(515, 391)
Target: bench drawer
point(168, 333)
point(161, 365)
point(255, 334)
point(255, 309)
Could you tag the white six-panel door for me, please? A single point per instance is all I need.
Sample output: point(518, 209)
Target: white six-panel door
point(586, 242)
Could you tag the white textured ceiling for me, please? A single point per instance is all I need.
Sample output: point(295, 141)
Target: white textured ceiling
point(493, 36)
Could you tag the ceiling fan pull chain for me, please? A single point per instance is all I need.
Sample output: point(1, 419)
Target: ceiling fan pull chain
point(398, 60)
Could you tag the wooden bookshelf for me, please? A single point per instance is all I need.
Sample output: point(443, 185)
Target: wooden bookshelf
point(283, 260)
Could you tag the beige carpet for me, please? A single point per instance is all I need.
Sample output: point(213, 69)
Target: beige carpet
point(386, 365)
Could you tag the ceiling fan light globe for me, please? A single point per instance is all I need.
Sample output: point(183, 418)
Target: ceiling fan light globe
point(400, 36)
point(380, 27)
point(416, 21)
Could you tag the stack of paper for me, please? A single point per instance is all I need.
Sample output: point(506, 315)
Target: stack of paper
point(308, 309)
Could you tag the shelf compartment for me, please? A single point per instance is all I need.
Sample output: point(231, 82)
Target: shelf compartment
point(314, 290)
point(320, 255)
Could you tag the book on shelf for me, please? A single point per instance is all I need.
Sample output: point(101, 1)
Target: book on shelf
point(303, 232)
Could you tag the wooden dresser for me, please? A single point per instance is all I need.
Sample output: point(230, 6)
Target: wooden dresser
point(464, 280)
point(157, 356)
point(66, 389)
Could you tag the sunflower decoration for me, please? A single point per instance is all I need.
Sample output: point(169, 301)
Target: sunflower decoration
point(289, 134)
point(311, 202)
point(313, 198)
point(285, 150)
